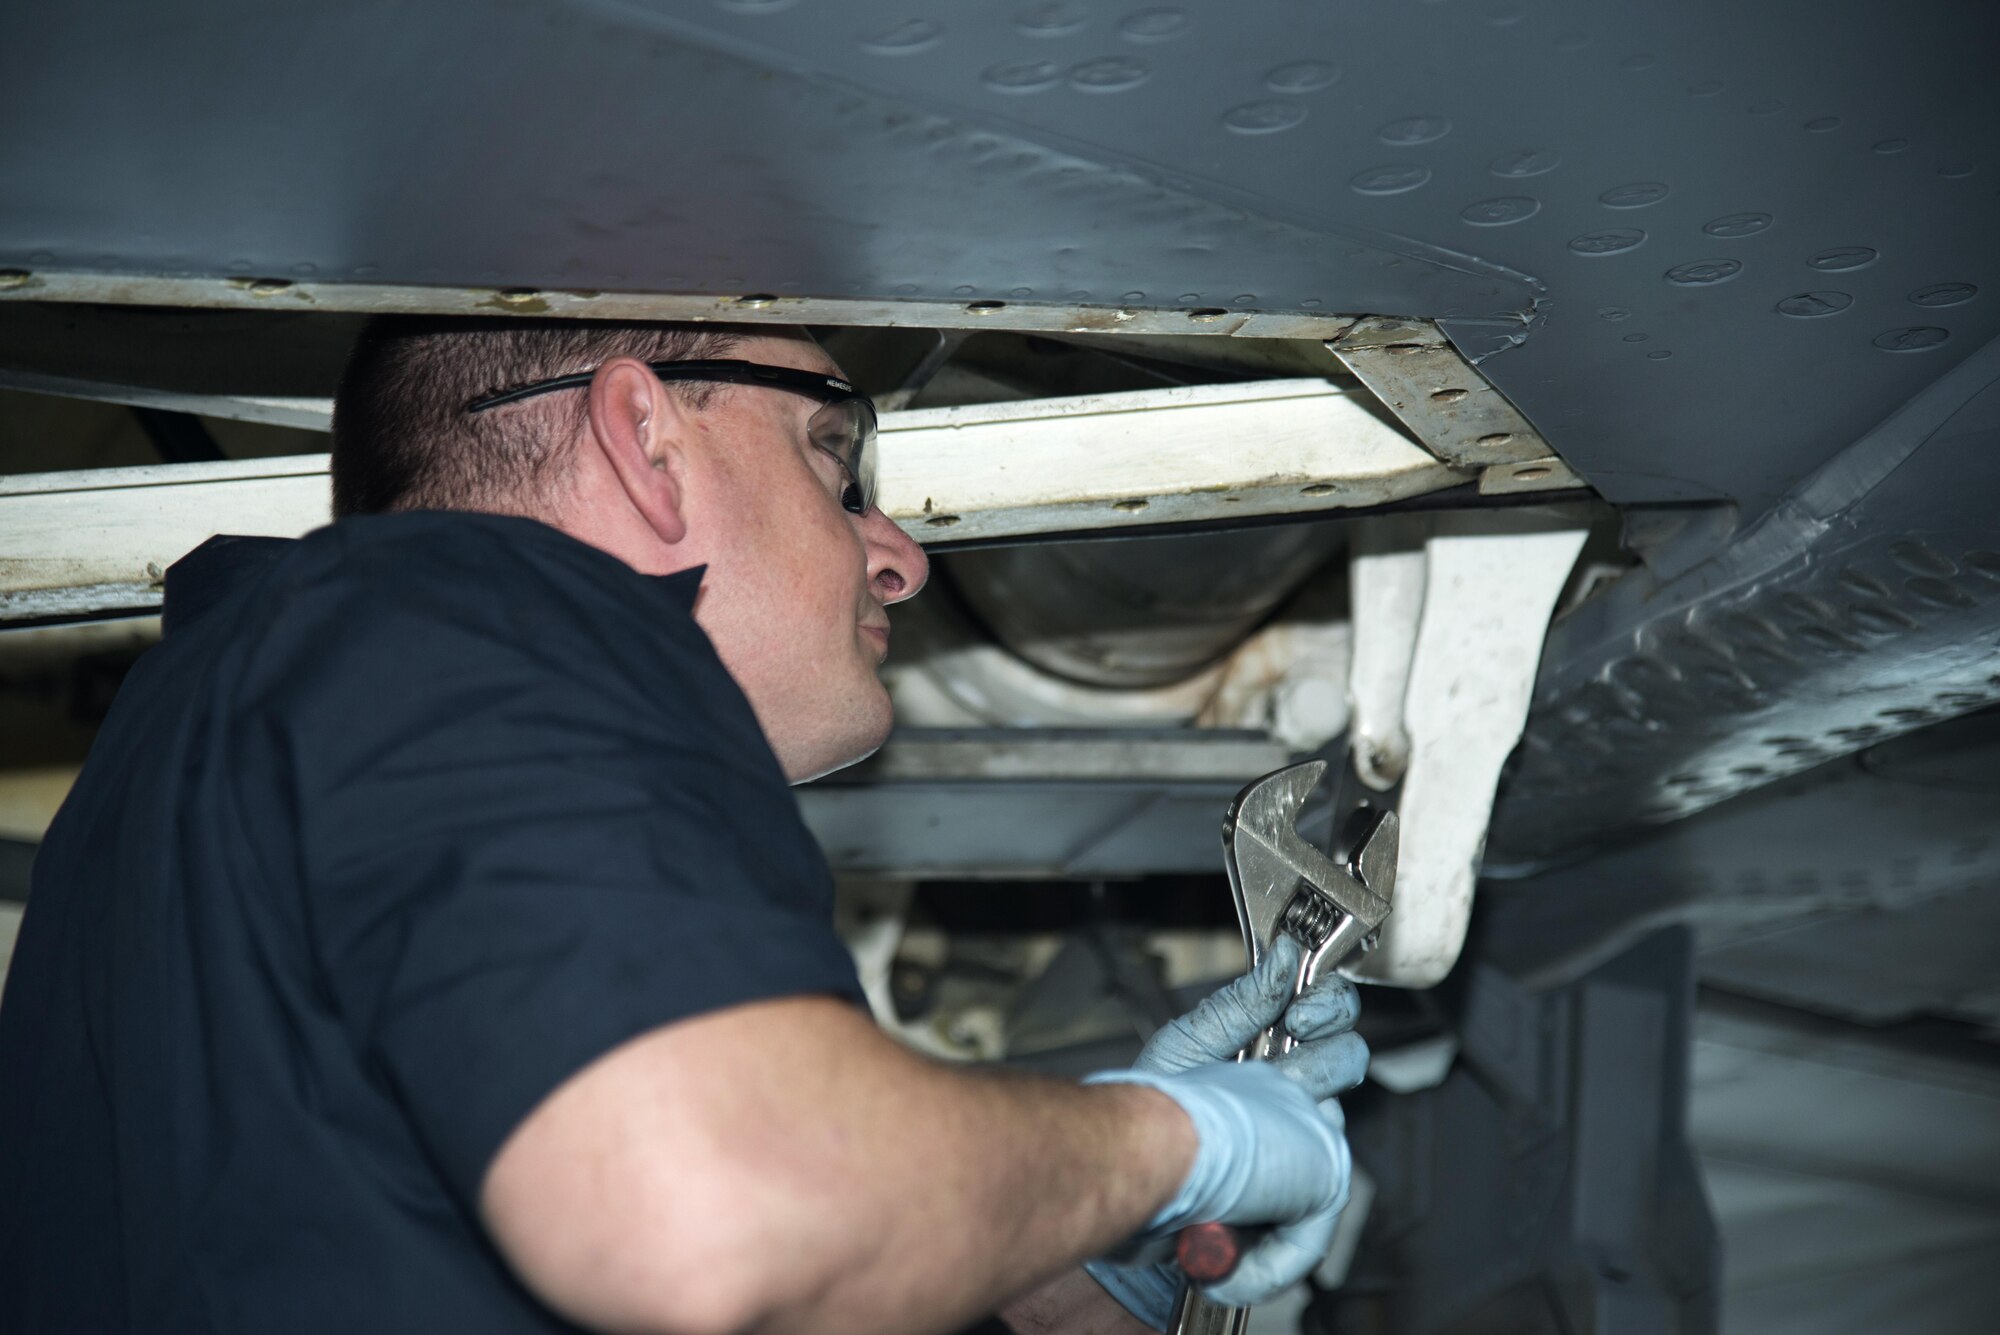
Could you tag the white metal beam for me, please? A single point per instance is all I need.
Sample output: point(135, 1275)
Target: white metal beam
point(1096, 461)
point(95, 541)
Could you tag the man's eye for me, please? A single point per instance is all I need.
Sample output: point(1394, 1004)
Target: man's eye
point(850, 498)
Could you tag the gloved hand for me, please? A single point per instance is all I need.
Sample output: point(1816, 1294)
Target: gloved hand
point(1328, 1060)
point(1231, 1017)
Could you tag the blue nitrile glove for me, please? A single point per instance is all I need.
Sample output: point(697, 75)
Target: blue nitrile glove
point(1231, 1017)
point(1267, 1155)
point(1329, 1060)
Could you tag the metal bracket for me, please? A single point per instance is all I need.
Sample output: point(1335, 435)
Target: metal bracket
point(1440, 396)
point(1450, 612)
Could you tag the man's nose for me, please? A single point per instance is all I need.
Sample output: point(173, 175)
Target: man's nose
point(897, 566)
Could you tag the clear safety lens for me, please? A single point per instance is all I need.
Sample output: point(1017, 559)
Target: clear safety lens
point(846, 430)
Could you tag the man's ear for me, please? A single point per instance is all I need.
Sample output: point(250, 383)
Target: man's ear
point(641, 431)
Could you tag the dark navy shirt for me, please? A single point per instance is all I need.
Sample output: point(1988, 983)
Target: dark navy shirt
point(399, 827)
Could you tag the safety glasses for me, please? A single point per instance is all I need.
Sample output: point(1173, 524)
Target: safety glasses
point(844, 427)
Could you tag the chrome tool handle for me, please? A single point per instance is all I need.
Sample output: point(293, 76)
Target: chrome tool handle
point(1196, 1315)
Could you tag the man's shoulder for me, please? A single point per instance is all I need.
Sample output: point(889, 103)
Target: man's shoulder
point(385, 557)
point(398, 573)
point(422, 599)
point(392, 550)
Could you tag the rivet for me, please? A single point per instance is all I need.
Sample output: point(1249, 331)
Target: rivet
point(757, 301)
point(1129, 507)
point(14, 278)
point(1497, 439)
point(1207, 314)
point(269, 287)
point(1448, 395)
point(985, 307)
point(1532, 471)
point(153, 570)
point(1938, 593)
point(517, 296)
point(941, 521)
point(1318, 489)
point(1919, 559)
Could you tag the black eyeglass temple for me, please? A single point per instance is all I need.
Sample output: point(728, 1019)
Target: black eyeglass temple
point(829, 388)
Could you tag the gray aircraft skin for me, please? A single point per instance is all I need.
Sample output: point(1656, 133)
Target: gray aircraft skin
point(1736, 265)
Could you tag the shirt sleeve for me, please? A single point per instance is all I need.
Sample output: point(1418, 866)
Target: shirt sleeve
point(536, 819)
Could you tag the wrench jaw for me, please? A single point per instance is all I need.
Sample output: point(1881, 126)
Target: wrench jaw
point(1282, 883)
point(1266, 859)
point(1365, 893)
point(1374, 860)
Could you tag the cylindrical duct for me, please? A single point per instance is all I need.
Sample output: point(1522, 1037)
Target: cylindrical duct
point(1137, 612)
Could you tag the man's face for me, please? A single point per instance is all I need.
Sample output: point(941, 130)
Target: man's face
point(797, 589)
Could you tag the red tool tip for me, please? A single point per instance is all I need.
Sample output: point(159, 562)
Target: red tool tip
point(1208, 1252)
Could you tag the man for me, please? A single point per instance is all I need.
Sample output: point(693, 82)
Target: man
point(432, 943)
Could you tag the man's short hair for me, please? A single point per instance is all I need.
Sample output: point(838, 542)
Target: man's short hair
point(402, 439)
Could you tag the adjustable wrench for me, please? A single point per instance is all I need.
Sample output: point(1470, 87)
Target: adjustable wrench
point(1282, 884)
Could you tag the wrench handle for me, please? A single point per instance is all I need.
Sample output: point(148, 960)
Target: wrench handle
point(1208, 1253)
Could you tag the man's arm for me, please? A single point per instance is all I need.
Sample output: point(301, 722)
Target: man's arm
point(786, 1166)
point(1072, 1304)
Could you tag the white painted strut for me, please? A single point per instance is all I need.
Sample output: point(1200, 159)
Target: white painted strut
point(1488, 585)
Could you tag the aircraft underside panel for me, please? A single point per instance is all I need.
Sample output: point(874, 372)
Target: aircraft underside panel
point(1701, 245)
